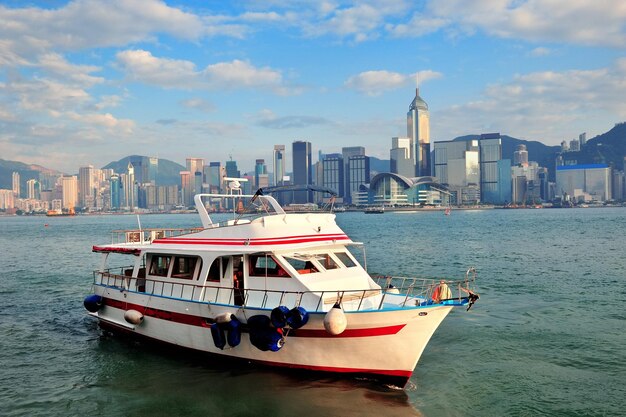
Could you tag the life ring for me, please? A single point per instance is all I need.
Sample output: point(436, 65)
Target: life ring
point(441, 292)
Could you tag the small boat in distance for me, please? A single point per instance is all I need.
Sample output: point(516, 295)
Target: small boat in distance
point(447, 211)
point(61, 213)
point(272, 288)
point(375, 210)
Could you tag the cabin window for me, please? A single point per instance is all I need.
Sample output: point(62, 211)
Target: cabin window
point(266, 265)
point(160, 265)
point(214, 271)
point(327, 262)
point(302, 265)
point(185, 267)
point(345, 259)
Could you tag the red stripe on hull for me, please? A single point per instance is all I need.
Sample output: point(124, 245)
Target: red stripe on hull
point(252, 242)
point(396, 377)
point(181, 318)
point(192, 320)
point(374, 331)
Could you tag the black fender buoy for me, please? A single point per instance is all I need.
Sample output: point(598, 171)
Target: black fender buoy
point(278, 316)
point(263, 336)
point(218, 336)
point(93, 303)
point(233, 331)
point(297, 317)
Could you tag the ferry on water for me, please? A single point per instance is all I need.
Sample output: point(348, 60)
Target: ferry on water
point(270, 287)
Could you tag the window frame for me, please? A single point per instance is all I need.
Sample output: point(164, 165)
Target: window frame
point(254, 271)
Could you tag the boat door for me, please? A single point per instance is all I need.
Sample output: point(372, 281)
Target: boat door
point(232, 280)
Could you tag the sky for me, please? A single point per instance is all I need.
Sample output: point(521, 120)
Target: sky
point(87, 82)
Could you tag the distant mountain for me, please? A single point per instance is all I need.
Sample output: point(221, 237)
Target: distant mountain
point(26, 171)
point(544, 155)
point(607, 148)
point(168, 172)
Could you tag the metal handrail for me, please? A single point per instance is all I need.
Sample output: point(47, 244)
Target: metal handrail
point(414, 292)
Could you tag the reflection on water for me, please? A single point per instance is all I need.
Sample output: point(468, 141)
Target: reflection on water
point(164, 381)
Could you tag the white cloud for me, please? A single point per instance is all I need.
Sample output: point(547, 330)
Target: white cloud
point(44, 95)
point(359, 20)
point(107, 120)
point(540, 51)
point(142, 66)
point(236, 74)
point(419, 25)
point(375, 83)
point(198, 104)
point(92, 23)
point(270, 120)
point(58, 67)
point(541, 105)
point(600, 22)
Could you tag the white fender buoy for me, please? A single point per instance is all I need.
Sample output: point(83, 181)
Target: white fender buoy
point(133, 317)
point(223, 318)
point(335, 321)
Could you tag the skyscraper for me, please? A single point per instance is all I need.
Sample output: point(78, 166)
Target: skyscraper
point(457, 167)
point(16, 184)
point(231, 169)
point(347, 153)
point(195, 165)
point(401, 162)
point(302, 169)
point(279, 164)
point(186, 197)
point(86, 185)
point(197, 183)
point(260, 173)
point(333, 172)
point(152, 171)
point(115, 190)
point(520, 156)
point(130, 195)
point(418, 131)
point(69, 187)
point(32, 189)
point(139, 164)
point(214, 178)
point(495, 172)
point(358, 173)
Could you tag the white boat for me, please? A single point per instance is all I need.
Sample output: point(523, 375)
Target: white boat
point(270, 287)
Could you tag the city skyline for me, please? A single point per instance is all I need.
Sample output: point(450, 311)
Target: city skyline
point(85, 78)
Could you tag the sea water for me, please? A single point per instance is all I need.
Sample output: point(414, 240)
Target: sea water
point(547, 336)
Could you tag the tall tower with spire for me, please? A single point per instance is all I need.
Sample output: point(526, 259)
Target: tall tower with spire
point(418, 131)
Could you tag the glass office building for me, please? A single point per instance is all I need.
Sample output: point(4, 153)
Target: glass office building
point(302, 170)
point(279, 164)
point(590, 182)
point(418, 131)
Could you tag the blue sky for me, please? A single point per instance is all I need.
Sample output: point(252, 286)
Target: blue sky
point(89, 81)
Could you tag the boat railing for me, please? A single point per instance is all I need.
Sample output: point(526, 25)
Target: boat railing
point(148, 235)
point(429, 289)
point(394, 293)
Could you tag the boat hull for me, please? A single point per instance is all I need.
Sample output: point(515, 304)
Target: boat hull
point(384, 344)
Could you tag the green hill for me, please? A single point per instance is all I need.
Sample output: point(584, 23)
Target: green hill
point(607, 148)
point(26, 171)
point(168, 172)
